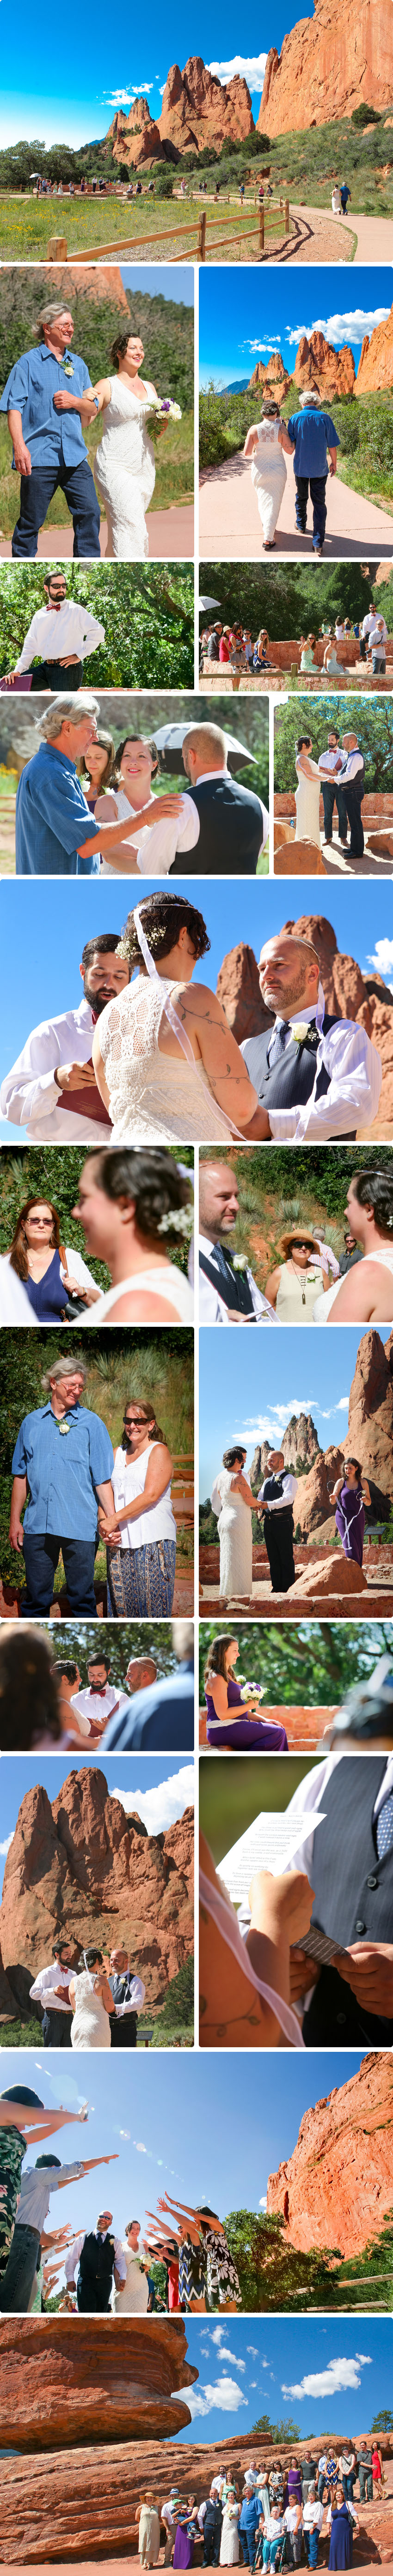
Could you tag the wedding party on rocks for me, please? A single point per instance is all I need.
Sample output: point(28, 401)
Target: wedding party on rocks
point(48, 402)
point(293, 448)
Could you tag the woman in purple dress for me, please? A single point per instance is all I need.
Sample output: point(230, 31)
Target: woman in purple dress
point(186, 2534)
point(350, 1493)
point(231, 1720)
point(293, 2481)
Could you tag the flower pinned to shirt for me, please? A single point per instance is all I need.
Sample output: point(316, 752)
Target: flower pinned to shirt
point(67, 366)
point(300, 1032)
point(239, 1261)
point(63, 1426)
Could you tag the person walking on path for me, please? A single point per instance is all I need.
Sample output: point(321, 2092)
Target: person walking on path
point(312, 434)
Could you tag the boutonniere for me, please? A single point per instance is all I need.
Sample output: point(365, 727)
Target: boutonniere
point(67, 366)
point(239, 1261)
point(300, 1031)
point(64, 1426)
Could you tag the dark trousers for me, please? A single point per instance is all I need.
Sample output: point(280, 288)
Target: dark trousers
point(366, 2486)
point(56, 2029)
point(211, 2546)
point(92, 2296)
point(278, 1533)
point(41, 1557)
point(21, 2269)
point(315, 484)
point(123, 2032)
point(333, 796)
point(363, 648)
point(354, 818)
point(51, 675)
point(36, 493)
point(249, 2544)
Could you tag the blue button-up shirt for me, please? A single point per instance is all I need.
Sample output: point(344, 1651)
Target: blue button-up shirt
point(30, 388)
point(314, 431)
point(53, 818)
point(63, 1469)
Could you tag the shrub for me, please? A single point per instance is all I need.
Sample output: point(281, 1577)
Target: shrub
point(365, 115)
point(164, 183)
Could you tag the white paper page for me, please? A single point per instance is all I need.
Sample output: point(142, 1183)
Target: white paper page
point(269, 1843)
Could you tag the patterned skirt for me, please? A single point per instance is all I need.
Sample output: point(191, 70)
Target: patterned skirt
point(141, 1580)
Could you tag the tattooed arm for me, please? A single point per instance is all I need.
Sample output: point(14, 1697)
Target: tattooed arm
point(214, 1046)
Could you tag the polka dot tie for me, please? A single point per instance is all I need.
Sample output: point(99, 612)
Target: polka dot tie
point(385, 1828)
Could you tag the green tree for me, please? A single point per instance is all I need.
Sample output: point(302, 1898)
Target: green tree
point(283, 598)
point(285, 2431)
point(382, 2423)
point(271, 2273)
point(179, 1998)
point(373, 723)
point(312, 1662)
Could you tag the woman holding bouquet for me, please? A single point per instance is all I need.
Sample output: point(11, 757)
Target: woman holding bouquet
point(124, 465)
point(232, 1719)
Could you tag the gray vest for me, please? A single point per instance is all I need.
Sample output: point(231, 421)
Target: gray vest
point(353, 1897)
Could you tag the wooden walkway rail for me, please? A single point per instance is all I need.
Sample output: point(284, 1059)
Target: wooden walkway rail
point(205, 240)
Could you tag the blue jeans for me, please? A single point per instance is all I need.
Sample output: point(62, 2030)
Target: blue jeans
point(41, 1555)
point(311, 2539)
point(316, 485)
point(249, 2543)
point(20, 2271)
point(348, 2486)
point(36, 492)
point(270, 2548)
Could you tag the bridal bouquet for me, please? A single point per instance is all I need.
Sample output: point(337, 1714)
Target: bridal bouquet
point(250, 1690)
point(167, 410)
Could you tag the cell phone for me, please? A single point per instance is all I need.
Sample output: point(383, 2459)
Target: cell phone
point(319, 1945)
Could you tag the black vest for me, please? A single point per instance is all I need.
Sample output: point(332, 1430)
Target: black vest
point(212, 2519)
point(290, 1081)
point(272, 1490)
point(353, 1896)
point(353, 786)
point(231, 831)
point(235, 1289)
point(96, 2262)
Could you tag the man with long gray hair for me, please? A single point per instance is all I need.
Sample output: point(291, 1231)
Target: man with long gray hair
point(55, 833)
point(62, 1460)
point(47, 397)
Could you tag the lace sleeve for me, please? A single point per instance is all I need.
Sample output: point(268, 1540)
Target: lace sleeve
point(107, 1026)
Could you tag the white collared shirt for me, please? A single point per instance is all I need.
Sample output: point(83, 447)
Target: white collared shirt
point(368, 621)
point(97, 1705)
point(47, 1979)
point(284, 1500)
point(55, 631)
point(352, 762)
point(355, 1072)
point(29, 1096)
point(327, 760)
point(75, 2250)
point(212, 1308)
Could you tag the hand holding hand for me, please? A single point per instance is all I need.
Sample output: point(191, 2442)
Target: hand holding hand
point(368, 1970)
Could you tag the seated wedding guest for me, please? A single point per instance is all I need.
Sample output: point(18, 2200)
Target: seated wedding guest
point(132, 1207)
point(128, 1993)
point(51, 1089)
point(24, 2121)
point(37, 2184)
point(233, 823)
point(308, 657)
point(316, 1076)
point(51, 1988)
point(244, 1999)
point(99, 1701)
point(312, 2526)
point(228, 1293)
point(64, 1481)
point(133, 2298)
point(333, 662)
point(51, 1271)
point(55, 834)
point(45, 424)
point(366, 1294)
point(273, 2529)
point(164, 1720)
point(61, 635)
point(232, 1719)
point(350, 2000)
point(276, 1499)
point(100, 2260)
point(291, 1286)
point(29, 1692)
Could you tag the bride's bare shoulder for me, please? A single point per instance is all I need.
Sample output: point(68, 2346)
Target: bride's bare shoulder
point(197, 1002)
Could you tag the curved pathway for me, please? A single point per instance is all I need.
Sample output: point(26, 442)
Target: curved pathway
point(230, 526)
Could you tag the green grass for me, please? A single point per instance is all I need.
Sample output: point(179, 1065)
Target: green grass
point(174, 482)
point(27, 225)
point(21, 2034)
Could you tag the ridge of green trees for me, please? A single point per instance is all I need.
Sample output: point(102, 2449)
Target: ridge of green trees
point(291, 598)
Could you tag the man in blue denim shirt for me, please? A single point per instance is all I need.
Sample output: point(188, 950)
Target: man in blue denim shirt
point(47, 396)
point(55, 833)
point(312, 432)
point(63, 1458)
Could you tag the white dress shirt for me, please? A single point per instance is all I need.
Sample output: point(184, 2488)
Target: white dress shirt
point(75, 2250)
point(353, 761)
point(368, 621)
point(14, 1302)
point(29, 1096)
point(44, 1985)
point(327, 760)
point(313, 2515)
point(284, 1500)
point(97, 1706)
point(212, 1307)
point(158, 844)
point(355, 1072)
point(56, 631)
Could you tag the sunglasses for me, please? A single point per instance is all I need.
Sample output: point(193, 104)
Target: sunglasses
point(131, 1421)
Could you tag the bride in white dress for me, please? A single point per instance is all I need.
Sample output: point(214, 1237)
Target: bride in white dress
point(163, 824)
point(134, 1208)
point(233, 1503)
point(166, 1064)
point(124, 465)
point(268, 443)
point(307, 793)
point(92, 2002)
point(229, 2545)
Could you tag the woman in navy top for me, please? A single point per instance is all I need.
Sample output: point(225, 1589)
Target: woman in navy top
point(243, 1729)
point(52, 1272)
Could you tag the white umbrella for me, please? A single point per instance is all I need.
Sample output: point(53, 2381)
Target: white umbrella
point(203, 604)
point(170, 738)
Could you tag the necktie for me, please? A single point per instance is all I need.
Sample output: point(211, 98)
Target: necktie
point(222, 1260)
point(384, 1828)
point(277, 1044)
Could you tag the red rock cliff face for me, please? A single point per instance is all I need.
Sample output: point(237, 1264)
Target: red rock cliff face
point(375, 370)
point(317, 363)
point(370, 1422)
point(328, 65)
point(83, 1862)
point(338, 2183)
point(196, 109)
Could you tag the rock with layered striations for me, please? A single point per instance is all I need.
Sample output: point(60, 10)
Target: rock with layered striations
point(338, 2183)
point(332, 371)
point(84, 1865)
point(238, 990)
point(375, 369)
point(338, 60)
point(312, 1502)
point(197, 109)
point(370, 1419)
point(53, 2507)
point(98, 2381)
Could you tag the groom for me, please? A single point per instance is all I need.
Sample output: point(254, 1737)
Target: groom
point(47, 396)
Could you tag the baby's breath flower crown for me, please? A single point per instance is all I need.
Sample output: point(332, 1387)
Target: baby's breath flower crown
point(128, 945)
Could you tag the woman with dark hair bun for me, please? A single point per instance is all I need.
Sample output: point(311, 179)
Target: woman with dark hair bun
point(232, 1715)
point(134, 1207)
point(366, 1295)
point(167, 1065)
point(350, 1493)
point(124, 467)
point(233, 1503)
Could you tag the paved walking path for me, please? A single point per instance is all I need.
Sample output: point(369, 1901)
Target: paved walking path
point(171, 535)
point(230, 527)
point(374, 233)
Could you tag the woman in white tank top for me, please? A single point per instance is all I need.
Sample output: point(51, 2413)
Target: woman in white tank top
point(141, 1552)
point(267, 443)
point(136, 1207)
point(365, 1296)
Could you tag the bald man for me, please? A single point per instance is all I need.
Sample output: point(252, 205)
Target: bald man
point(226, 1295)
point(316, 1076)
point(233, 823)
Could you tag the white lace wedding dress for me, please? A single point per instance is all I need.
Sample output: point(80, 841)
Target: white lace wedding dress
point(268, 474)
point(125, 471)
point(235, 1536)
point(90, 2027)
point(307, 806)
point(153, 1097)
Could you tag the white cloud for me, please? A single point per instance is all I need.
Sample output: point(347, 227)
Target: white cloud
point(270, 1425)
point(251, 67)
point(223, 2393)
point(337, 327)
point(363, 2356)
point(217, 2333)
point(382, 959)
point(257, 345)
point(262, 2204)
point(326, 2383)
point(160, 1806)
point(227, 2355)
point(126, 97)
point(6, 1847)
point(253, 2349)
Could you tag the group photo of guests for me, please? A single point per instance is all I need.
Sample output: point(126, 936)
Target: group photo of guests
point(99, 1498)
point(133, 1213)
point(321, 1263)
point(274, 2515)
point(129, 1690)
point(273, 627)
point(338, 819)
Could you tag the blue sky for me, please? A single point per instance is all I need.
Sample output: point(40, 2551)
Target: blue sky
point(236, 1397)
point(243, 316)
point(178, 288)
point(256, 2366)
point(159, 2108)
point(44, 927)
point(159, 1790)
point(58, 92)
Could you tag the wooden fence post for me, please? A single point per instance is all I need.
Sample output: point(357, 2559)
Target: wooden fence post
point(287, 214)
point(57, 247)
point(201, 243)
point(261, 229)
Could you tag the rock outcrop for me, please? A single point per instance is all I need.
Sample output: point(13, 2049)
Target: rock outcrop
point(338, 2183)
point(99, 284)
point(274, 376)
point(196, 109)
point(333, 1579)
point(84, 1863)
point(375, 369)
point(104, 2381)
point(300, 1440)
point(353, 996)
point(238, 990)
point(370, 1420)
point(135, 138)
point(54, 2507)
point(329, 64)
point(331, 370)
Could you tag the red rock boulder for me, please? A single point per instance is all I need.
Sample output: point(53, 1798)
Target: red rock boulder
point(85, 1863)
point(331, 370)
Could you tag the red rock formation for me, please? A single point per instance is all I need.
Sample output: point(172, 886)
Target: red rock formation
point(335, 2187)
point(274, 375)
point(55, 2507)
point(196, 109)
point(300, 1440)
point(370, 1420)
point(85, 1863)
point(100, 285)
point(331, 370)
point(355, 997)
point(333, 1578)
point(328, 65)
point(100, 2380)
point(238, 990)
point(135, 138)
point(375, 370)
point(312, 1501)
